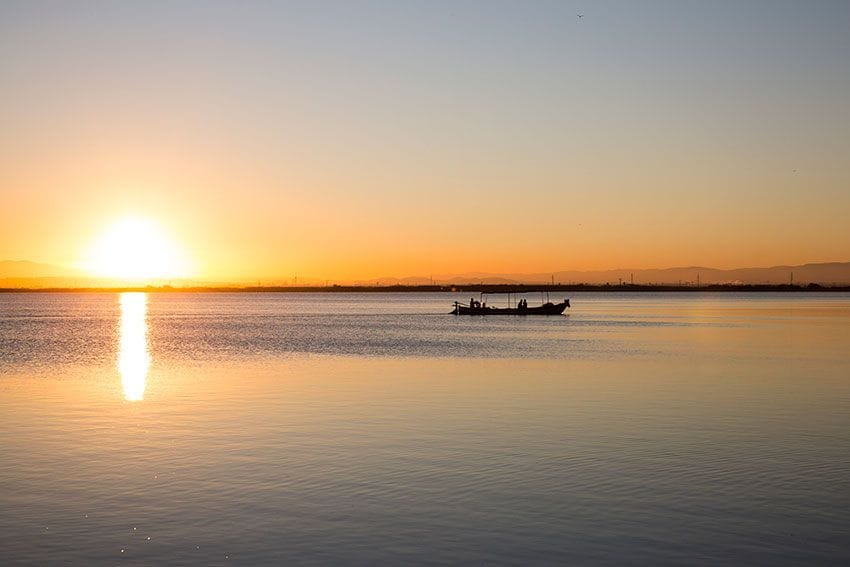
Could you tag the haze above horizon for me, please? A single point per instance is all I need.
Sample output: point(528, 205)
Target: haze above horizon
point(354, 140)
point(29, 275)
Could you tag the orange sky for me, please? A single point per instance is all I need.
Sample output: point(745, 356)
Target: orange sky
point(274, 141)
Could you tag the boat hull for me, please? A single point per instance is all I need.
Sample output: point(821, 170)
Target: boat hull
point(545, 309)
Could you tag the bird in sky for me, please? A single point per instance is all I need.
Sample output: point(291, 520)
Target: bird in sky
point(580, 15)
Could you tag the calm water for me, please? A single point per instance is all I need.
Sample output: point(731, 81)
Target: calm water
point(375, 429)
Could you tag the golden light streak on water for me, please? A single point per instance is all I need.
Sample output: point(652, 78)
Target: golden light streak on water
point(133, 357)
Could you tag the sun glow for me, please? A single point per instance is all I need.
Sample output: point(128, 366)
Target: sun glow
point(135, 249)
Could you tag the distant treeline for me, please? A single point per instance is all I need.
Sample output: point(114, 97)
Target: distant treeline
point(474, 288)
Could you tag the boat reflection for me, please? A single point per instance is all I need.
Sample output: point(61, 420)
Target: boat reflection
point(133, 356)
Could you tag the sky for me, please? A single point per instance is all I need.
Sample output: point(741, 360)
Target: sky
point(354, 139)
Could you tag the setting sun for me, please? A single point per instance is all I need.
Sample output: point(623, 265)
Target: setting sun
point(135, 248)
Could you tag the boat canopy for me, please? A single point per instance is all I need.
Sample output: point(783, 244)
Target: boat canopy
point(544, 294)
point(514, 291)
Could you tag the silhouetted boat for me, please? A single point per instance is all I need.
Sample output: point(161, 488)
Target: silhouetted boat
point(481, 307)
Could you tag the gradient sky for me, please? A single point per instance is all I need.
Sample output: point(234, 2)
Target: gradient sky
point(366, 139)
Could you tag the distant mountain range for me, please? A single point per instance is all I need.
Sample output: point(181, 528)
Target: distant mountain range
point(21, 273)
point(27, 269)
point(831, 273)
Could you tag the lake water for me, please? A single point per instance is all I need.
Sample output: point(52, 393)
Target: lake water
point(248, 429)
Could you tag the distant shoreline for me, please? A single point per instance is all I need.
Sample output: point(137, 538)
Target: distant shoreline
point(471, 288)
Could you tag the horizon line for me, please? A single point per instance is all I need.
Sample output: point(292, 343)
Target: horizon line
point(444, 277)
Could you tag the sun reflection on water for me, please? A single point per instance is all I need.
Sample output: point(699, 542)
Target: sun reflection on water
point(133, 356)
